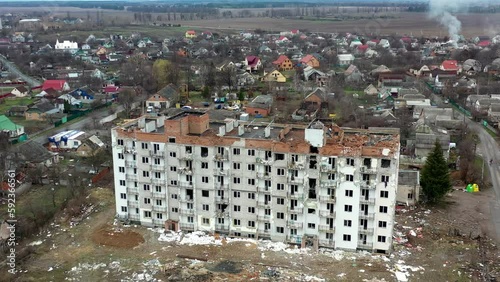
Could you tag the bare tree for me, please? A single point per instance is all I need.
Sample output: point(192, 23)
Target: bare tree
point(127, 99)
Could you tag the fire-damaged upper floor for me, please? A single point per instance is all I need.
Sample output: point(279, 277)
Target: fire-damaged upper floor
point(193, 127)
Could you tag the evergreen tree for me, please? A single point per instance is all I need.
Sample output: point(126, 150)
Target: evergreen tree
point(435, 176)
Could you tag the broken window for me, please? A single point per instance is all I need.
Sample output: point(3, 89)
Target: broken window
point(189, 194)
point(313, 150)
point(331, 162)
point(312, 188)
point(312, 162)
point(366, 178)
point(279, 157)
point(367, 162)
point(189, 149)
point(204, 152)
point(268, 155)
point(205, 193)
point(350, 162)
point(311, 211)
point(385, 163)
point(171, 140)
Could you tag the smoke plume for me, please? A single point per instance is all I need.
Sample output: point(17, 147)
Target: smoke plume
point(441, 10)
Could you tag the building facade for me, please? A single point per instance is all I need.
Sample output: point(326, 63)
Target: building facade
point(321, 185)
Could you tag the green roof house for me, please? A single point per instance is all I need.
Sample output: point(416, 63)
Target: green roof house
point(14, 130)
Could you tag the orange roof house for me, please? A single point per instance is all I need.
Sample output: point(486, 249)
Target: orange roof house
point(310, 60)
point(283, 63)
point(190, 34)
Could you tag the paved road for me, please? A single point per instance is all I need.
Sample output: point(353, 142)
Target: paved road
point(14, 70)
point(490, 151)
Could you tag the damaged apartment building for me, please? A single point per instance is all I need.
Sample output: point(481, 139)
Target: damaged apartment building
point(312, 185)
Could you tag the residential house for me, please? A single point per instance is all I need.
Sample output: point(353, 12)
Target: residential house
point(274, 76)
point(67, 140)
point(41, 111)
point(449, 66)
point(309, 60)
point(18, 38)
point(312, 74)
point(32, 153)
point(371, 90)
point(345, 59)
point(86, 47)
point(165, 97)
point(471, 100)
point(282, 40)
point(70, 99)
point(472, 67)
point(190, 34)
point(310, 106)
point(425, 139)
point(90, 146)
point(283, 63)
point(58, 85)
point(264, 49)
point(66, 46)
point(384, 43)
point(15, 130)
point(483, 105)
point(245, 79)
point(17, 111)
point(408, 192)
point(352, 74)
point(252, 63)
point(260, 106)
point(20, 91)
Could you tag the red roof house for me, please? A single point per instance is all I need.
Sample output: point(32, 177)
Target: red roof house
point(58, 85)
point(484, 43)
point(449, 65)
point(253, 63)
point(363, 48)
point(283, 63)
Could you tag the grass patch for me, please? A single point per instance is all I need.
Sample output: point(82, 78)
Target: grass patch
point(6, 104)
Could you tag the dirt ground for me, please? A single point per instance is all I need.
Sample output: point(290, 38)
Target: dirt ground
point(447, 244)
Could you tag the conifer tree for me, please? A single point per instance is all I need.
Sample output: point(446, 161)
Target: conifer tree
point(435, 176)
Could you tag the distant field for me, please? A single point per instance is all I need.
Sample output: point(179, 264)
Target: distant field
point(401, 23)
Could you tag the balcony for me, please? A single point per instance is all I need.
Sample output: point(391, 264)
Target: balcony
point(327, 169)
point(160, 208)
point(328, 184)
point(327, 228)
point(186, 157)
point(157, 180)
point(368, 185)
point(327, 198)
point(186, 184)
point(367, 216)
point(134, 217)
point(220, 171)
point(367, 170)
point(186, 199)
point(159, 154)
point(263, 204)
point(131, 177)
point(221, 227)
point(132, 190)
point(187, 212)
point(369, 201)
point(185, 170)
point(295, 210)
point(221, 200)
point(367, 231)
point(264, 189)
point(187, 226)
point(327, 243)
point(329, 214)
point(263, 217)
point(296, 165)
point(264, 175)
point(158, 221)
point(297, 196)
point(157, 167)
point(295, 180)
point(133, 204)
point(130, 163)
point(263, 161)
point(221, 186)
point(294, 224)
point(220, 157)
point(365, 245)
point(159, 195)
